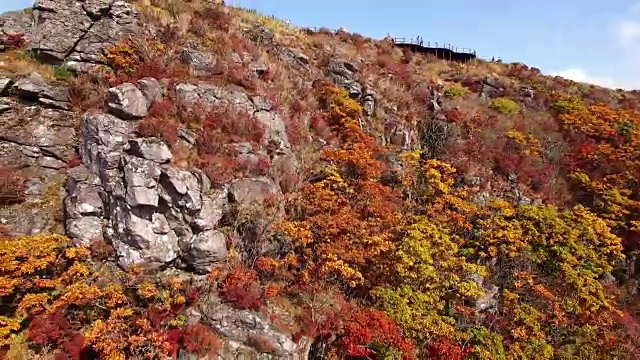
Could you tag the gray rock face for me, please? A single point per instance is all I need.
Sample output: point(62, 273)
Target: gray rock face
point(488, 300)
point(206, 249)
point(368, 101)
point(491, 88)
point(152, 149)
point(16, 22)
point(148, 208)
point(39, 141)
point(343, 73)
point(60, 24)
point(79, 31)
point(35, 88)
point(243, 326)
point(200, 62)
point(48, 132)
point(5, 83)
point(245, 192)
point(294, 56)
point(97, 8)
point(151, 89)
point(141, 178)
point(127, 102)
point(102, 141)
point(212, 210)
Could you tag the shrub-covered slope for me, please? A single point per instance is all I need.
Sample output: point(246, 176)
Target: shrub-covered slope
point(186, 178)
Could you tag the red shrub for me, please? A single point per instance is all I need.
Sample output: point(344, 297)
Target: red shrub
point(455, 115)
point(220, 168)
point(320, 127)
point(12, 186)
point(223, 126)
point(160, 316)
point(88, 90)
point(73, 162)
point(403, 73)
point(12, 41)
point(227, 125)
point(200, 340)
point(366, 326)
point(446, 349)
point(238, 74)
point(101, 250)
point(296, 132)
point(155, 68)
point(164, 108)
point(270, 74)
point(385, 62)
point(263, 344)
point(55, 330)
point(74, 349)
point(318, 322)
point(241, 288)
point(163, 128)
point(216, 16)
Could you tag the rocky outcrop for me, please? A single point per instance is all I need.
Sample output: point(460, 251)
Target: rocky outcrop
point(39, 138)
point(149, 207)
point(155, 214)
point(35, 88)
point(76, 32)
point(344, 74)
point(244, 326)
point(200, 62)
point(16, 22)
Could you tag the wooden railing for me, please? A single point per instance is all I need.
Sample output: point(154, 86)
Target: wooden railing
point(428, 44)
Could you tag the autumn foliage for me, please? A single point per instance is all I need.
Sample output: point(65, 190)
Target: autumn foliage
point(442, 225)
point(51, 290)
point(11, 41)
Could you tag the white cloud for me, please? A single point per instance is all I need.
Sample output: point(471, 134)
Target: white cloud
point(580, 75)
point(629, 31)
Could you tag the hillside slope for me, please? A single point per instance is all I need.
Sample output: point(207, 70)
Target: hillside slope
point(189, 179)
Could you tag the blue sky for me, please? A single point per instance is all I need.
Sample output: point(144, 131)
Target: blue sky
point(586, 40)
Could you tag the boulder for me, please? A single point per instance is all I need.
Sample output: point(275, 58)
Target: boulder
point(200, 62)
point(152, 149)
point(245, 192)
point(127, 102)
point(206, 249)
point(151, 89)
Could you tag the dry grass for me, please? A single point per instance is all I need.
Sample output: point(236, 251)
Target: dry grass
point(279, 28)
point(19, 63)
point(19, 350)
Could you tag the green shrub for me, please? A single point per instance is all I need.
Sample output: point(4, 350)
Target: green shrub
point(505, 106)
point(569, 104)
point(455, 91)
point(63, 73)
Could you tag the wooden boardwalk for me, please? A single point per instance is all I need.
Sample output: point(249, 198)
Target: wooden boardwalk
point(439, 50)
